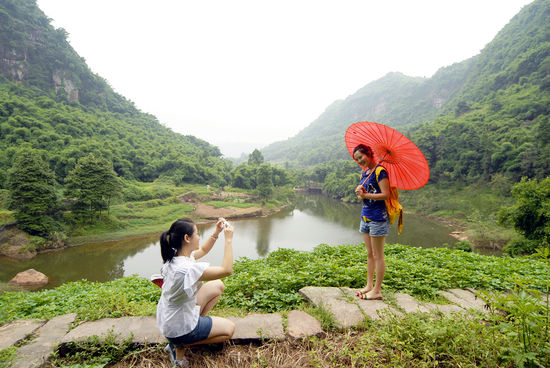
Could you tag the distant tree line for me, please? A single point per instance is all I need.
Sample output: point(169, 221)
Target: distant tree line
point(92, 185)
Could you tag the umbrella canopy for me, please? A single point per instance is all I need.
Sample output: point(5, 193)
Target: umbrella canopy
point(406, 165)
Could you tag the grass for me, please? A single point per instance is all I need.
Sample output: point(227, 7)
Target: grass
point(131, 219)
point(6, 217)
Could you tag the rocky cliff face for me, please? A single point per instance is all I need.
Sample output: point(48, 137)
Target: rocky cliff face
point(60, 80)
point(13, 63)
point(16, 59)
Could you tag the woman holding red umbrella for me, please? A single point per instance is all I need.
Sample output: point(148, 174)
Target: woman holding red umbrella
point(373, 191)
point(370, 144)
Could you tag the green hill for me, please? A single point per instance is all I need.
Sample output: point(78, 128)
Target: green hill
point(485, 115)
point(51, 101)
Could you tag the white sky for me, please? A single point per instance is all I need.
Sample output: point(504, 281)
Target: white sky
point(243, 74)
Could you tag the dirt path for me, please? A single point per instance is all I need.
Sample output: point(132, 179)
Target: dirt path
point(206, 213)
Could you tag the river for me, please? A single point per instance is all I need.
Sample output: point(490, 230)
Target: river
point(313, 220)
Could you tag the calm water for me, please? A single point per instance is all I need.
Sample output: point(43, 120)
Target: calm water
point(314, 220)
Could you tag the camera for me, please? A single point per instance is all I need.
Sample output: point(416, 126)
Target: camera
point(225, 224)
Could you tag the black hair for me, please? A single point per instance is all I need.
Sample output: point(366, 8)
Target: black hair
point(366, 150)
point(171, 241)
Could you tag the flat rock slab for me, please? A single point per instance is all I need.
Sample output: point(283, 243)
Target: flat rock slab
point(371, 308)
point(143, 330)
point(16, 331)
point(409, 304)
point(345, 313)
point(443, 308)
point(300, 325)
point(464, 298)
point(258, 327)
point(36, 353)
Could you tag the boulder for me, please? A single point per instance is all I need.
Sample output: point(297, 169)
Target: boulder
point(29, 278)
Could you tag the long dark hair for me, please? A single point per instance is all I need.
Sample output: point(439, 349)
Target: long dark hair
point(171, 241)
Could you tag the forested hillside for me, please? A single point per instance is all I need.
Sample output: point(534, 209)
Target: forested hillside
point(52, 102)
point(488, 114)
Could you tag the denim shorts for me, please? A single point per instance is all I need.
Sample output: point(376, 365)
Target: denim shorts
point(201, 332)
point(375, 228)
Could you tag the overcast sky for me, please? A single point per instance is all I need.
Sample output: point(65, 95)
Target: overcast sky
point(243, 74)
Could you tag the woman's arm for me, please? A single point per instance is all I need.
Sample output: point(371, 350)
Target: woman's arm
point(382, 196)
point(226, 269)
point(209, 243)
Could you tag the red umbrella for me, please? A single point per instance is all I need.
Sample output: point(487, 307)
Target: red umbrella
point(406, 165)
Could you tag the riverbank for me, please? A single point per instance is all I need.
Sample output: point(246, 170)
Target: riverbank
point(142, 218)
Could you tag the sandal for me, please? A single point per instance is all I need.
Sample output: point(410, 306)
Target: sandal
point(171, 350)
point(359, 293)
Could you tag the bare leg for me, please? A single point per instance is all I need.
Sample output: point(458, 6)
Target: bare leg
point(370, 265)
point(222, 330)
point(208, 295)
point(179, 353)
point(377, 243)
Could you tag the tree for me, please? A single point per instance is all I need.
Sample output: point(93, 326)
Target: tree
point(255, 158)
point(93, 183)
point(31, 188)
point(530, 215)
point(265, 183)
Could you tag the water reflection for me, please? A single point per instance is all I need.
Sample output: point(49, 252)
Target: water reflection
point(314, 220)
point(263, 237)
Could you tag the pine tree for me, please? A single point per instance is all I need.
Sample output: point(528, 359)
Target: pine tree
point(31, 188)
point(93, 183)
point(264, 180)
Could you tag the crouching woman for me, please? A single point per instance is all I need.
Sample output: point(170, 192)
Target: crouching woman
point(185, 299)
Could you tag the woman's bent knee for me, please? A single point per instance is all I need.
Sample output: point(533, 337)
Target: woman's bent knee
point(218, 284)
point(231, 329)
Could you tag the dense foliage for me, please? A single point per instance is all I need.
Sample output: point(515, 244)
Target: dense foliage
point(90, 300)
point(530, 215)
point(32, 193)
point(93, 184)
point(272, 283)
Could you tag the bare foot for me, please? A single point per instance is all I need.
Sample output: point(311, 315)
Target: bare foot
point(373, 296)
point(363, 291)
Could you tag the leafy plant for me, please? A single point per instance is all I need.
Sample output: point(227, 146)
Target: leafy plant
point(524, 316)
point(271, 284)
point(129, 296)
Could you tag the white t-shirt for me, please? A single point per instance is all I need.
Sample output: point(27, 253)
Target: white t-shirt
point(177, 310)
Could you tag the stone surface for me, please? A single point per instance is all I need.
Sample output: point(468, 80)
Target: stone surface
point(300, 324)
point(257, 327)
point(464, 299)
point(371, 308)
point(16, 331)
point(409, 304)
point(470, 296)
point(142, 330)
point(29, 277)
point(345, 313)
point(36, 352)
point(443, 308)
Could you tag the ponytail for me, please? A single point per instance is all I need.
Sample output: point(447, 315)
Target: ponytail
point(171, 241)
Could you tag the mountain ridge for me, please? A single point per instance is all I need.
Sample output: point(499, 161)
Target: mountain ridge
point(517, 54)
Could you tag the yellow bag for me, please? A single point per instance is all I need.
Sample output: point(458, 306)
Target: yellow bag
point(395, 209)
